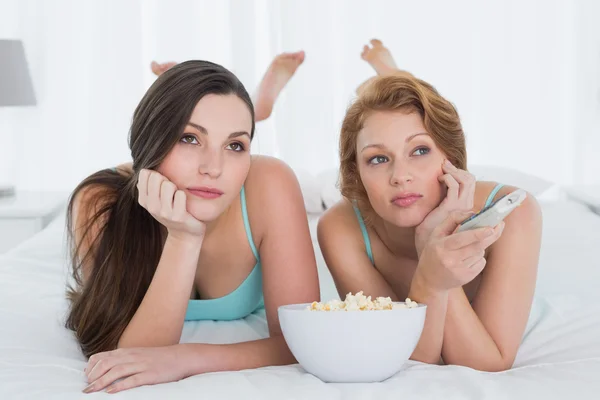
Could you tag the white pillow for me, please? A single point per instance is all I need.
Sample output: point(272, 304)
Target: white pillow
point(569, 262)
point(508, 176)
point(328, 183)
point(330, 194)
point(311, 191)
point(588, 195)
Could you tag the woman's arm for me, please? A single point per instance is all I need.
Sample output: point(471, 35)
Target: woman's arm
point(156, 322)
point(344, 252)
point(152, 365)
point(487, 335)
point(429, 347)
point(276, 208)
point(448, 260)
point(159, 319)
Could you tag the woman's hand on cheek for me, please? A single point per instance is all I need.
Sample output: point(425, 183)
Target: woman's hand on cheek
point(450, 259)
point(459, 197)
point(161, 198)
point(135, 367)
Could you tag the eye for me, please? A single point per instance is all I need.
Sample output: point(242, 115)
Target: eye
point(236, 146)
point(421, 151)
point(378, 160)
point(189, 139)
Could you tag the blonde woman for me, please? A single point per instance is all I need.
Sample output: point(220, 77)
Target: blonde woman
point(406, 188)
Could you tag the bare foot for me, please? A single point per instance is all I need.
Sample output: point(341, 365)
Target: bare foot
point(158, 69)
point(379, 57)
point(278, 74)
point(363, 85)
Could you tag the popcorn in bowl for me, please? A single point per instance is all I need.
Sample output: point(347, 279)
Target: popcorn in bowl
point(360, 302)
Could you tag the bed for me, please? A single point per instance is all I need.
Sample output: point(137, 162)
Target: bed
point(559, 356)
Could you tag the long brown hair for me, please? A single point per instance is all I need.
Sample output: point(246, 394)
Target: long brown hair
point(122, 241)
point(397, 92)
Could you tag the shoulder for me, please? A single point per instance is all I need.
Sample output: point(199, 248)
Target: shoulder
point(87, 217)
point(339, 227)
point(95, 191)
point(267, 171)
point(88, 200)
point(525, 221)
point(484, 189)
point(272, 192)
point(340, 215)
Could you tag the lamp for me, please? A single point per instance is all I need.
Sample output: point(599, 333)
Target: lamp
point(16, 88)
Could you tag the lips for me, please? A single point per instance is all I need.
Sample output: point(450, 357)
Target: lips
point(205, 192)
point(406, 199)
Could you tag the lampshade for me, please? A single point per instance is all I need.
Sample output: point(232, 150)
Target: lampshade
point(16, 88)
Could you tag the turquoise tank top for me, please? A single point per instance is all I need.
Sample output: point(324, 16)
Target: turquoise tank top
point(365, 234)
point(243, 301)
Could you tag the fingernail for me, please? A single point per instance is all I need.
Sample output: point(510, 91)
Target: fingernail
point(489, 232)
point(448, 163)
point(89, 388)
point(110, 390)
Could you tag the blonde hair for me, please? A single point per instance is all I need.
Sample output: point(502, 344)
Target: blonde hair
point(399, 92)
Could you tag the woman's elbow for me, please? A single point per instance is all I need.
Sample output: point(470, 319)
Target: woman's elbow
point(426, 358)
point(496, 365)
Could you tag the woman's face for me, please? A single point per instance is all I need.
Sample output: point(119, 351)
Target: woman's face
point(211, 160)
point(399, 165)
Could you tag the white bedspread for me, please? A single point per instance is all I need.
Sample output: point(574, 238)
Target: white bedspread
point(559, 357)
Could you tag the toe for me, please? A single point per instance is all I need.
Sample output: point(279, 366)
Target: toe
point(376, 42)
point(155, 67)
point(365, 51)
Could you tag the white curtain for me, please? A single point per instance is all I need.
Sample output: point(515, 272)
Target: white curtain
point(524, 75)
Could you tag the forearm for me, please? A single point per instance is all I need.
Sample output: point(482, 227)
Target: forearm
point(159, 319)
point(234, 357)
point(466, 340)
point(429, 348)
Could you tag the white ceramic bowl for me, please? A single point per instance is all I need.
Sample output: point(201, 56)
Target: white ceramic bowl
point(351, 346)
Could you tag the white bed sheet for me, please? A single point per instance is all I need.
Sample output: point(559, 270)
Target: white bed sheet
point(559, 357)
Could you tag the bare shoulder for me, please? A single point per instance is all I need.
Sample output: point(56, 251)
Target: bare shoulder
point(344, 251)
point(341, 216)
point(266, 171)
point(88, 200)
point(338, 228)
point(528, 215)
point(483, 190)
point(88, 220)
point(272, 192)
point(270, 180)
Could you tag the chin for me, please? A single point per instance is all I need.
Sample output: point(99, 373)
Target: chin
point(407, 222)
point(204, 210)
point(406, 217)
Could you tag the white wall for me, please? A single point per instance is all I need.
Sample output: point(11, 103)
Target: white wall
point(524, 75)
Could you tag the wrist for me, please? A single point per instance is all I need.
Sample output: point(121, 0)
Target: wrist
point(187, 356)
point(184, 240)
point(421, 290)
point(421, 237)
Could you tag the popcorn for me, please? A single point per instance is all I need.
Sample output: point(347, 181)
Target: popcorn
point(360, 302)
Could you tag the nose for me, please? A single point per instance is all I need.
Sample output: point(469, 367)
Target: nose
point(400, 174)
point(211, 163)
